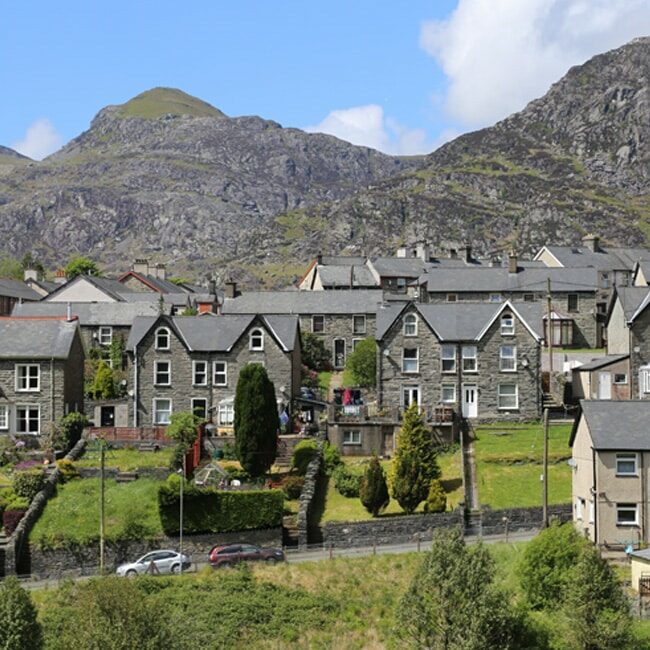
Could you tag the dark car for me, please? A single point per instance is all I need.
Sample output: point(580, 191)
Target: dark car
point(225, 556)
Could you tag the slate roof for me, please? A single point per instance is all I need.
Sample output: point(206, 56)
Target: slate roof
point(176, 299)
point(17, 289)
point(349, 260)
point(36, 338)
point(616, 425)
point(342, 276)
point(606, 259)
point(304, 302)
point(403, 267)
point(211, 333)
point(601, 362)
point(109, 286)
point(161, 286)
point(90, 313)
point(631, 299)
point(645, 269)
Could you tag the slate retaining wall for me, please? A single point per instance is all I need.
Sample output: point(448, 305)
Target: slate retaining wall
point(306, 503)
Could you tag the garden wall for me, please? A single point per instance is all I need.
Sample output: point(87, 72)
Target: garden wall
point(158, 473)
point(307, 496)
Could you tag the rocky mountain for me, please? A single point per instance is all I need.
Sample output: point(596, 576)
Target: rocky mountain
point(170, 177)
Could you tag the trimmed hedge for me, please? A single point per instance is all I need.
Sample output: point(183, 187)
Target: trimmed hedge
point(29, 483)
point(209, 510)
point(303, 453)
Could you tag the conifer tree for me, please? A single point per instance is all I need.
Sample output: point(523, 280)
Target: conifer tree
point(436, 499)
point(373, 491)
point(19, 628)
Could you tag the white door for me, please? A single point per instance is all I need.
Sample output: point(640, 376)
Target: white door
point(604, 385)
point(470, 400)
point(410, 395)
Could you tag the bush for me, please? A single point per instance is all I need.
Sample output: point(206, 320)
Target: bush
point(19, 627)
point(292, 486)
point(229, 451)
point(213, 511)
point(7, 495)
point(71, 427)
point(331, 458)
point(67, 470)
point(239, 474)
point(436, 499)
point(346, 481)
point(373, 490)
point(314, 354)
point(11, 518)
point(28, 484)
point(303, 453)
point(362, 363)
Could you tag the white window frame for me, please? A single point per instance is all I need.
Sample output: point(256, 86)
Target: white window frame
point(503, 396)
point(20, 407)
point(448, 358)
point(155, 410)
point(495, 297)
point(624, 458)
point(313, 321)
point(356, 330)
point(415, 359)
point(223, 372)
point(356, 342)
point(644, 380)
point(105, 335)
point(508, 363)
point(410, 325)
point(4, 417)
point(469, 353)
point(507, 330)
point(27, 388)
point(627, 507)
point(226, 413)
point(199, 399)
point(579, 512)
point(195, 371)
point(448, 387)
point(256, 333)
point(163, 331)
point(619, 382)
point(412, 389)
point(592, 511)
point(156, 371)
point(352, 438)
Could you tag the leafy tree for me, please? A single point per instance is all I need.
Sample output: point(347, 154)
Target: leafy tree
point(183, 428)
point(546, 562)
point(595, 605)
point(104, 383)
point(362, 363)
point(81, 266)
point(373, 490)
point(71, 427)
point(10, 268)
point(19, 628)
point(452, 602)
point(437, 498)
point(415, 464)
point(256, 420)
point(314, 353)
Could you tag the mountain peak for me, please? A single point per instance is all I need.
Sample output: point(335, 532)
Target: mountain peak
point(157, 102)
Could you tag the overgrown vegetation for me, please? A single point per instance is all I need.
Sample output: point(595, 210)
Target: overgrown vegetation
point(361, 364)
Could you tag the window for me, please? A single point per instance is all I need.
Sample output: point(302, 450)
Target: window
point(355, 342)
point(626, 514)
point(359, 324)
point(601, 307)
point(448, 393)
point(226, 413)
point(579, 503)
point(401, 285)
point(28, 377)
point(410, 325)
point(200, 373)
point(507, 325)
point(162, 338)
point(507, 397)
point(162, 373)
point(256, 340)
point(644, 379)
point(410, 360)
point(28, 419)
point(529, 297)
point(604, 280)
point(469, 358)
point(508, 358)
point(410, 395)
point(352, 437)
point(4, 416)
point(162, 410)
point(452, 297)
point(105, 335)
point(620, 378)
point(220, 373)
point(317, 324)
point(200, 407)
point(592, 512)
point(626, 464)
point(572, 302)
point(495, 297)
point(448, 357)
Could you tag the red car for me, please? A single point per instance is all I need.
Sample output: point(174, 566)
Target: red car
point(225, 556)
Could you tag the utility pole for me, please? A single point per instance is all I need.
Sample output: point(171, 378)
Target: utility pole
point(102, 460)
point(549, 342)
point(545, 473)
point(180, 527)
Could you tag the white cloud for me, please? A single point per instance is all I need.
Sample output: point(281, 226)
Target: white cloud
point(500, 54)
point(41, 139)
point(367, 126)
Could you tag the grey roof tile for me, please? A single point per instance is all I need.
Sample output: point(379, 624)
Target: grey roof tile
point(36, 339)
point(631, 299)
point(601, 362)
point(17, 289)
point(615, 425)
point(91, 313)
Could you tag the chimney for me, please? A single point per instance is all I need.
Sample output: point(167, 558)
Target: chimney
point(68, 312)
point(231, 289)
point(160, 272)
point(319, 258)
point(141, 266)
point(212, 288)
point(453, 254)
point(592, 242)
point(495, 262)
point(30, 274)
point(422, 251)
point(60, 276)
point(512, 262)
point(468, 253)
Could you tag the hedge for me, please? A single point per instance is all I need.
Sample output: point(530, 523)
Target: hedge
point(208, 510)
point(11, 519)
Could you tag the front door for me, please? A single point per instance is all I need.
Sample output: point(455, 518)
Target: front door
point(107, 416)
point(470, 400)
point(604, 385)
point(410, 395)
point(339, 353)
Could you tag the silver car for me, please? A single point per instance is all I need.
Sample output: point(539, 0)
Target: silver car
point(156, 562)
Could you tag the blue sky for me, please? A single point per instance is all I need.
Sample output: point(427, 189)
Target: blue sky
point(400, 76)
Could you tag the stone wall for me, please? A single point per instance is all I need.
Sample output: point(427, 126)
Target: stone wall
point(84, 560)
point(521, 518)
point(639, 340)
point(158, 473)
point(307, 496)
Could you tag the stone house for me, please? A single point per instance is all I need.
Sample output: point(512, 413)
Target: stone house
point(610, 458)
point(340, 318)
point(337, 272)
point(192, 363)
point(41, 373)
point(13, 292)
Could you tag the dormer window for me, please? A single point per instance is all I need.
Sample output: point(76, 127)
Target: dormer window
point(162, 338)
point(256, 340)
point(410, 325)
point(507, 325)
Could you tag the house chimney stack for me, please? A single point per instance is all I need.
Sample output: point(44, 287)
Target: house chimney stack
point(30, 274)
point(453, 254)
point(141, 266)
point(212, 288)
point(60, 276)
point(468, 253)
point(592, 242)
point(512, 262)
point(319, 258)
point(422, 250)
point(160, 272)
point(231, 289)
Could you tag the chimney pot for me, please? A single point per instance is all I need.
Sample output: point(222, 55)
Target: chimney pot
point(60, 276)
point(319, 258)
point(592, 242)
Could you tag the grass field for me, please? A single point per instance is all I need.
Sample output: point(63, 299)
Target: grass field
point(509, 464)
point(127, 460)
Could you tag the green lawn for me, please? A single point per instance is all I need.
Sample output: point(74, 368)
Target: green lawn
point(324, 379)
point(509, 464)
point(73, 514)
point(125, 459)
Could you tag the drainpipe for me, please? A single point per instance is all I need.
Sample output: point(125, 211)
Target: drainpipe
point(594, 489)
point(459, 386)
point(52, 418)
point(135, 386)
point(643, 493)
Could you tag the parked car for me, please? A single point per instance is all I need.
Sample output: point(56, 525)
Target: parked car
point(164, 561)
point(225, 556)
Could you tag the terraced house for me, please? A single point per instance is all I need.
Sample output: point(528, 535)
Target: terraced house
point(192, 363)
